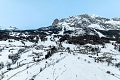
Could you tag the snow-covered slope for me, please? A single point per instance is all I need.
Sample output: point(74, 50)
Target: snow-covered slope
point(80, 47)
point(70, 67)
point(62, 65)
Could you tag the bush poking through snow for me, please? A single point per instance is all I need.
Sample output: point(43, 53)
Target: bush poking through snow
point(1, 65)
point(51, 52)
point(14, 57)
point(58, 61)
point(47, 55)
point(78, 57)
point(84, 59)
point(40, 69)
point(108, 72)
point(68, 49)
point(8, 64)
point(1, 76)
point(117, 64)
point(21, 50)
point(89, 62)
point(109, 60)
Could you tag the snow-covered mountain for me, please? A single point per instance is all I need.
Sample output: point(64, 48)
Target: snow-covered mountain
point(11, 28)
point(85, 25)
point(2, 28)
point(80, 47)
point(95, 22)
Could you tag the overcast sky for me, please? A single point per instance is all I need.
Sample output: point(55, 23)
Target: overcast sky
point(33, 14)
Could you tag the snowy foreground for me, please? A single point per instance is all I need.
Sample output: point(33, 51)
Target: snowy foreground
point(68, 68)
point(62, 65)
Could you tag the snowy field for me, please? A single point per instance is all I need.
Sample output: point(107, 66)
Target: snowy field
point(62, 65)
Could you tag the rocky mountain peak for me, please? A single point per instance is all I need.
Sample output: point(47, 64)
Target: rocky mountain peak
point(55, 22)
point(85, 20)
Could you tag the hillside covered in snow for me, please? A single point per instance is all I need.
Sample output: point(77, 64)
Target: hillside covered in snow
point(81, 47)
